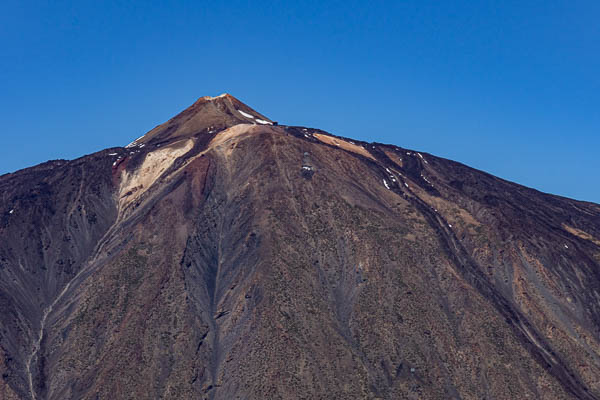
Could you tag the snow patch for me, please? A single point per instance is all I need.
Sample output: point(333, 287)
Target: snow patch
point(11, 211)
point(566, 247)
point(112, 154)
point(245, 114)
point(133, 143)
point(405, 184)
point(263, 122)
point(386, 184)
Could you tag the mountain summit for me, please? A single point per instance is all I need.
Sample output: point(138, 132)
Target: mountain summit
point(207, 115)
point(223, 256)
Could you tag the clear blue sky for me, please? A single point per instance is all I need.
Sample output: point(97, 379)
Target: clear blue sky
point(509, 87)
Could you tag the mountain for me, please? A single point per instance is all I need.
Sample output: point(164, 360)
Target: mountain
point(223, 256)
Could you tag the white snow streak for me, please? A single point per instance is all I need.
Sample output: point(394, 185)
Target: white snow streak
point(133, 143)
point(245, 114)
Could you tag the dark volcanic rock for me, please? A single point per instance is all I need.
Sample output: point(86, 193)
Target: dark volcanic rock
point(223, 257)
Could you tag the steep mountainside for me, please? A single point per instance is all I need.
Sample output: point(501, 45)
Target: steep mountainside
point(221, 256)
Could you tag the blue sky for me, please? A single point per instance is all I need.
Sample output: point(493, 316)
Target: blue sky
point(511, 87)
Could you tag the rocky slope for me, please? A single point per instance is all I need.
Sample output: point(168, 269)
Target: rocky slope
point(221, 256)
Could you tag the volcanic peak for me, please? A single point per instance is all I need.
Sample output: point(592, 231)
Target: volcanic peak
point(206, 117)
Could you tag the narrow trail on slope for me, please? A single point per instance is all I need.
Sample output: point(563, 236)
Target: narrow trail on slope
point(37, 344)
point(48, 310)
